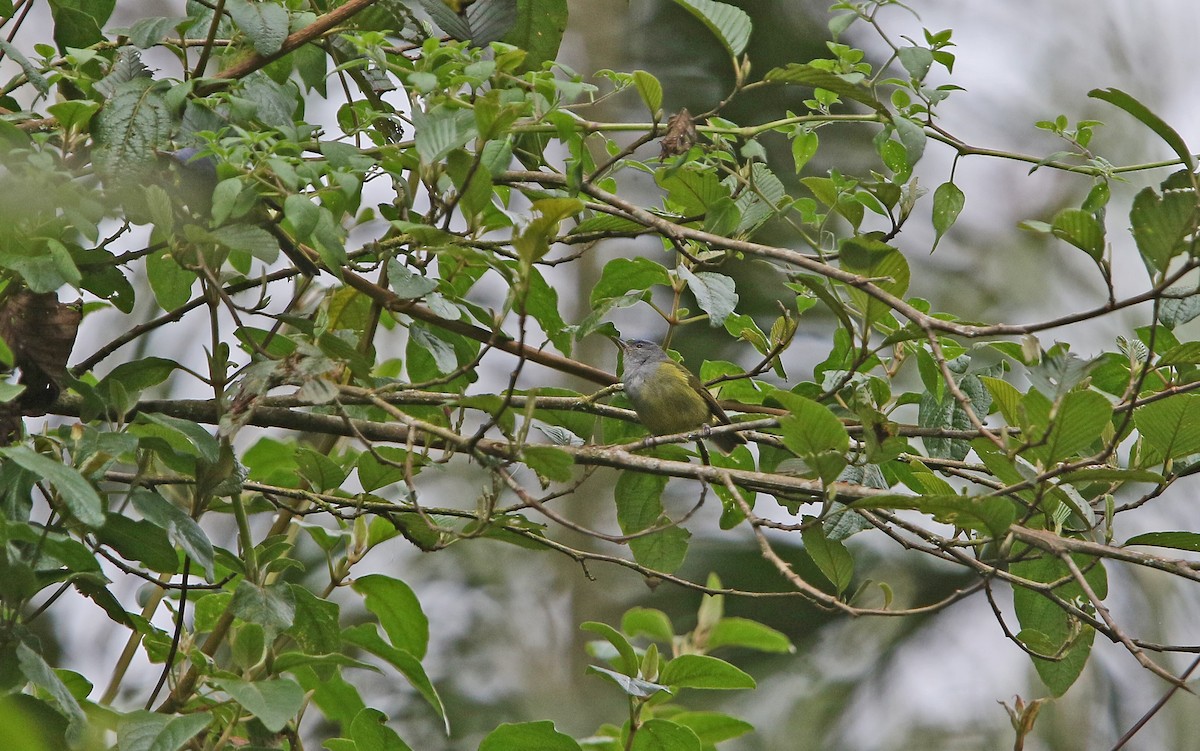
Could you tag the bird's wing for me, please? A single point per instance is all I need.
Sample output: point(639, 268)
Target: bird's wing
point(709, 399)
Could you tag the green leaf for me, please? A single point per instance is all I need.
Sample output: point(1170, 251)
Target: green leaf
point(848, 86)
point(713, 727)
point(170, 282)
point(690, 190)
point(1081, 229)
point(139, 541)
point(723, 217)
point(748, 634)
point(1078, 421)
point(528, 736)
point(264, 22)
point(374, 474)
point(442, 352)
point(1150, 120)
point(649, 89)
point(730, 25)
point(207, 447)
point(648, 622)
point(534, 242)
point(273, 702)
point(125, 68)
point(663, 551)
point(1177, 540)
point(606, 223)
point(77, 493)
point(1005, 396)
point(635, 687)
point(130, 130)
point(141, 730)
point(804, 147)
point(1187, 353)
point(948, 202)
point(406, 284)
point(912, 136)
point(991, 516)
point(767, 198)
point(944, 411)
point(231, 195)
point(315, 626)
point(45, 267)
point(73, 114)
point(1171, 425)
point(80, 23)
point(639, 500)
point(32, 74)
point(138, 375)
point(1160, 224)
point(831, 556)
point(441, 130)
point(1069, 640)
point(479, 23)
point(338, 700)
point(249, 645)
point(1110, 474)
point(916, 60)
point(319, 470)
point(147, 32)
point(703, 671)
point(715, 294)
point(181, 529)
point(370, 732)
point(549, 462)
point(39, 673)
point(628, 664)
point(639, 507)
point(367, 637)
point(254, 240)
point(272, 607)
point(810, 428)
point(398, 610)
point(542, 304)
point(474, 185)
point(622, 275)
point(538, 31)
point(1182, 306)
point(658, 734)
point(302, 214)
point(883, 264)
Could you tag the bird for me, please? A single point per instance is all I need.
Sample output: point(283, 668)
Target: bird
point(669, 398)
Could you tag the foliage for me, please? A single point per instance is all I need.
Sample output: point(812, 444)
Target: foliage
point(346, 333)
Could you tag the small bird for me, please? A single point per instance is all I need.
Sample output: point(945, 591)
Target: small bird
point(667, 397)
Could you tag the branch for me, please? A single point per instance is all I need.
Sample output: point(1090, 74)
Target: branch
point(324, 23)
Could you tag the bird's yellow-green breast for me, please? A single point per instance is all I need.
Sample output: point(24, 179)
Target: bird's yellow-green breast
point(667, 397)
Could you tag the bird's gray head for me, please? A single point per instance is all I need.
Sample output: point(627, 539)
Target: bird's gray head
point(639, 352)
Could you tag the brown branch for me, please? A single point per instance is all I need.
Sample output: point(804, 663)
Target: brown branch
point(257, 61)
point(1116, 632)
point(808, 263)
point(1057, 545)
point(207, 412)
